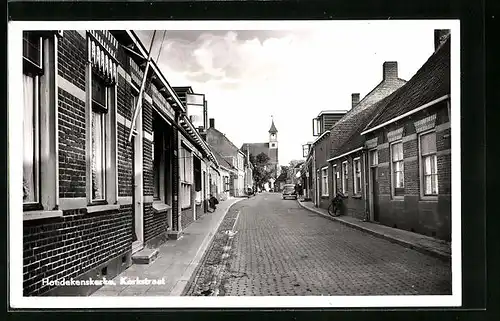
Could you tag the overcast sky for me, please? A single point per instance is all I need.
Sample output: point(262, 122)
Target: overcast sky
point(248, 76)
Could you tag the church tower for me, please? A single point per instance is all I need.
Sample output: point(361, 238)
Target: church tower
point(273, 146)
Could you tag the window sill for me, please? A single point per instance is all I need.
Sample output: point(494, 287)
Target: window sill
point(325, 196)
point(429, 199)
point(160, 207)
point(398, 198)
point(357, 196)
point(102, 208)
point(39, 215)
point(185, 208)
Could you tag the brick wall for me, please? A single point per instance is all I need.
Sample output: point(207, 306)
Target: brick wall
point(199, 211)
point(186, 217)
point(413, 213)
point(72, 169)
point(125, 159)
point(352, 205)
point(72, 58)
point(68, 246)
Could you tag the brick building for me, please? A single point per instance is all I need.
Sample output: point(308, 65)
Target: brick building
point(333, 165)
point(232, 154)
point(410, 142)
point(91, 197)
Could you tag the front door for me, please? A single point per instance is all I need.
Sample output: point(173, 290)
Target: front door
point(374, 193)
point(137, 194)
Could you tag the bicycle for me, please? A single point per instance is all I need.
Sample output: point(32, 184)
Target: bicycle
point(335, 205)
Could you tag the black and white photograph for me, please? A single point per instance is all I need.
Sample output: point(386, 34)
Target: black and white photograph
point(234, 163)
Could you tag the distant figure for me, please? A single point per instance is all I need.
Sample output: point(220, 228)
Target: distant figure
point(212, 203)
point(300, 190)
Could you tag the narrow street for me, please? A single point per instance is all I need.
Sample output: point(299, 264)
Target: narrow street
point(275, 247)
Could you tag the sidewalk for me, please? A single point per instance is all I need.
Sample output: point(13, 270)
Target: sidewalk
point(176, 261)
point(418, 242)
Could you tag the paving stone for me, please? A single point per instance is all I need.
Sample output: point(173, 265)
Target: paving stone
point(283, 249)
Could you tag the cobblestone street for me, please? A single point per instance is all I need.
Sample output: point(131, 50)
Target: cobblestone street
point(269, 246)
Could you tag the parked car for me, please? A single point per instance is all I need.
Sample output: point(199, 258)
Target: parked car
point(289, 192)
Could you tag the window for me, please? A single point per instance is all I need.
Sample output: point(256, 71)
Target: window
point(429, 164)
point(32, 49)
point(373, 157)
point(31, 138)
point(324, 181)
point(156, 152)
point(39, 126)
point(227, 186)
point(345, 180)
point(32, 71)
point(98, 136)
point(397, 169)
point(357, 176)
point(186, 176)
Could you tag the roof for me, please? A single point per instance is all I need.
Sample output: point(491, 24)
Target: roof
point(273, 128)
point(354, 121)
point(217, 146)
point(356, 140)
point(431, 81)
point(222, 161)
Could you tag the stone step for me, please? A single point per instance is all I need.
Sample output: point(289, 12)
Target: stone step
point(145, 256)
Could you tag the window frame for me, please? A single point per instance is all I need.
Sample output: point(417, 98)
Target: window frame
point(357, 188)
point(110, 139)
point(45, 107)
point(396, 192)
point(97, 108)
point(345, 177)
point(421, 162)
point(324, 182)
point(186, 177)
point(372, 152)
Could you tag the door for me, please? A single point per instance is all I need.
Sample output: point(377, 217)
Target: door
point(137, 194)
point(316, 193)
point(374, 193)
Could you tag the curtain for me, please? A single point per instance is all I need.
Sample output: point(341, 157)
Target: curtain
point(97, 156)
point(29, 140)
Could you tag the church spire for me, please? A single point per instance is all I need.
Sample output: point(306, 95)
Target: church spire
point(273, 129)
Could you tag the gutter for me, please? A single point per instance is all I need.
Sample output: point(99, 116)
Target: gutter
point(345, 154)
point(411, 112)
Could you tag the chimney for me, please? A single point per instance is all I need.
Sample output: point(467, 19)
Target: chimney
point(355, 99)
point(212, 123)
point(440, 37)
point(390, 70)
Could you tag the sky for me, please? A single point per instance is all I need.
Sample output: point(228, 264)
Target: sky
point(285, 71)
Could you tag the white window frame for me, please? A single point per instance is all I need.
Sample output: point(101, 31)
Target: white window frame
point(371, 153)
point(186, 176)
point(110, 139)
point(324, 181)
point(357, 186)
point(345, 176)
point(46, 102)
point(423, 195)
point(391, 162)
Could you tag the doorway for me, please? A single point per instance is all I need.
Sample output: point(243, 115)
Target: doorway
point(374, 186)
